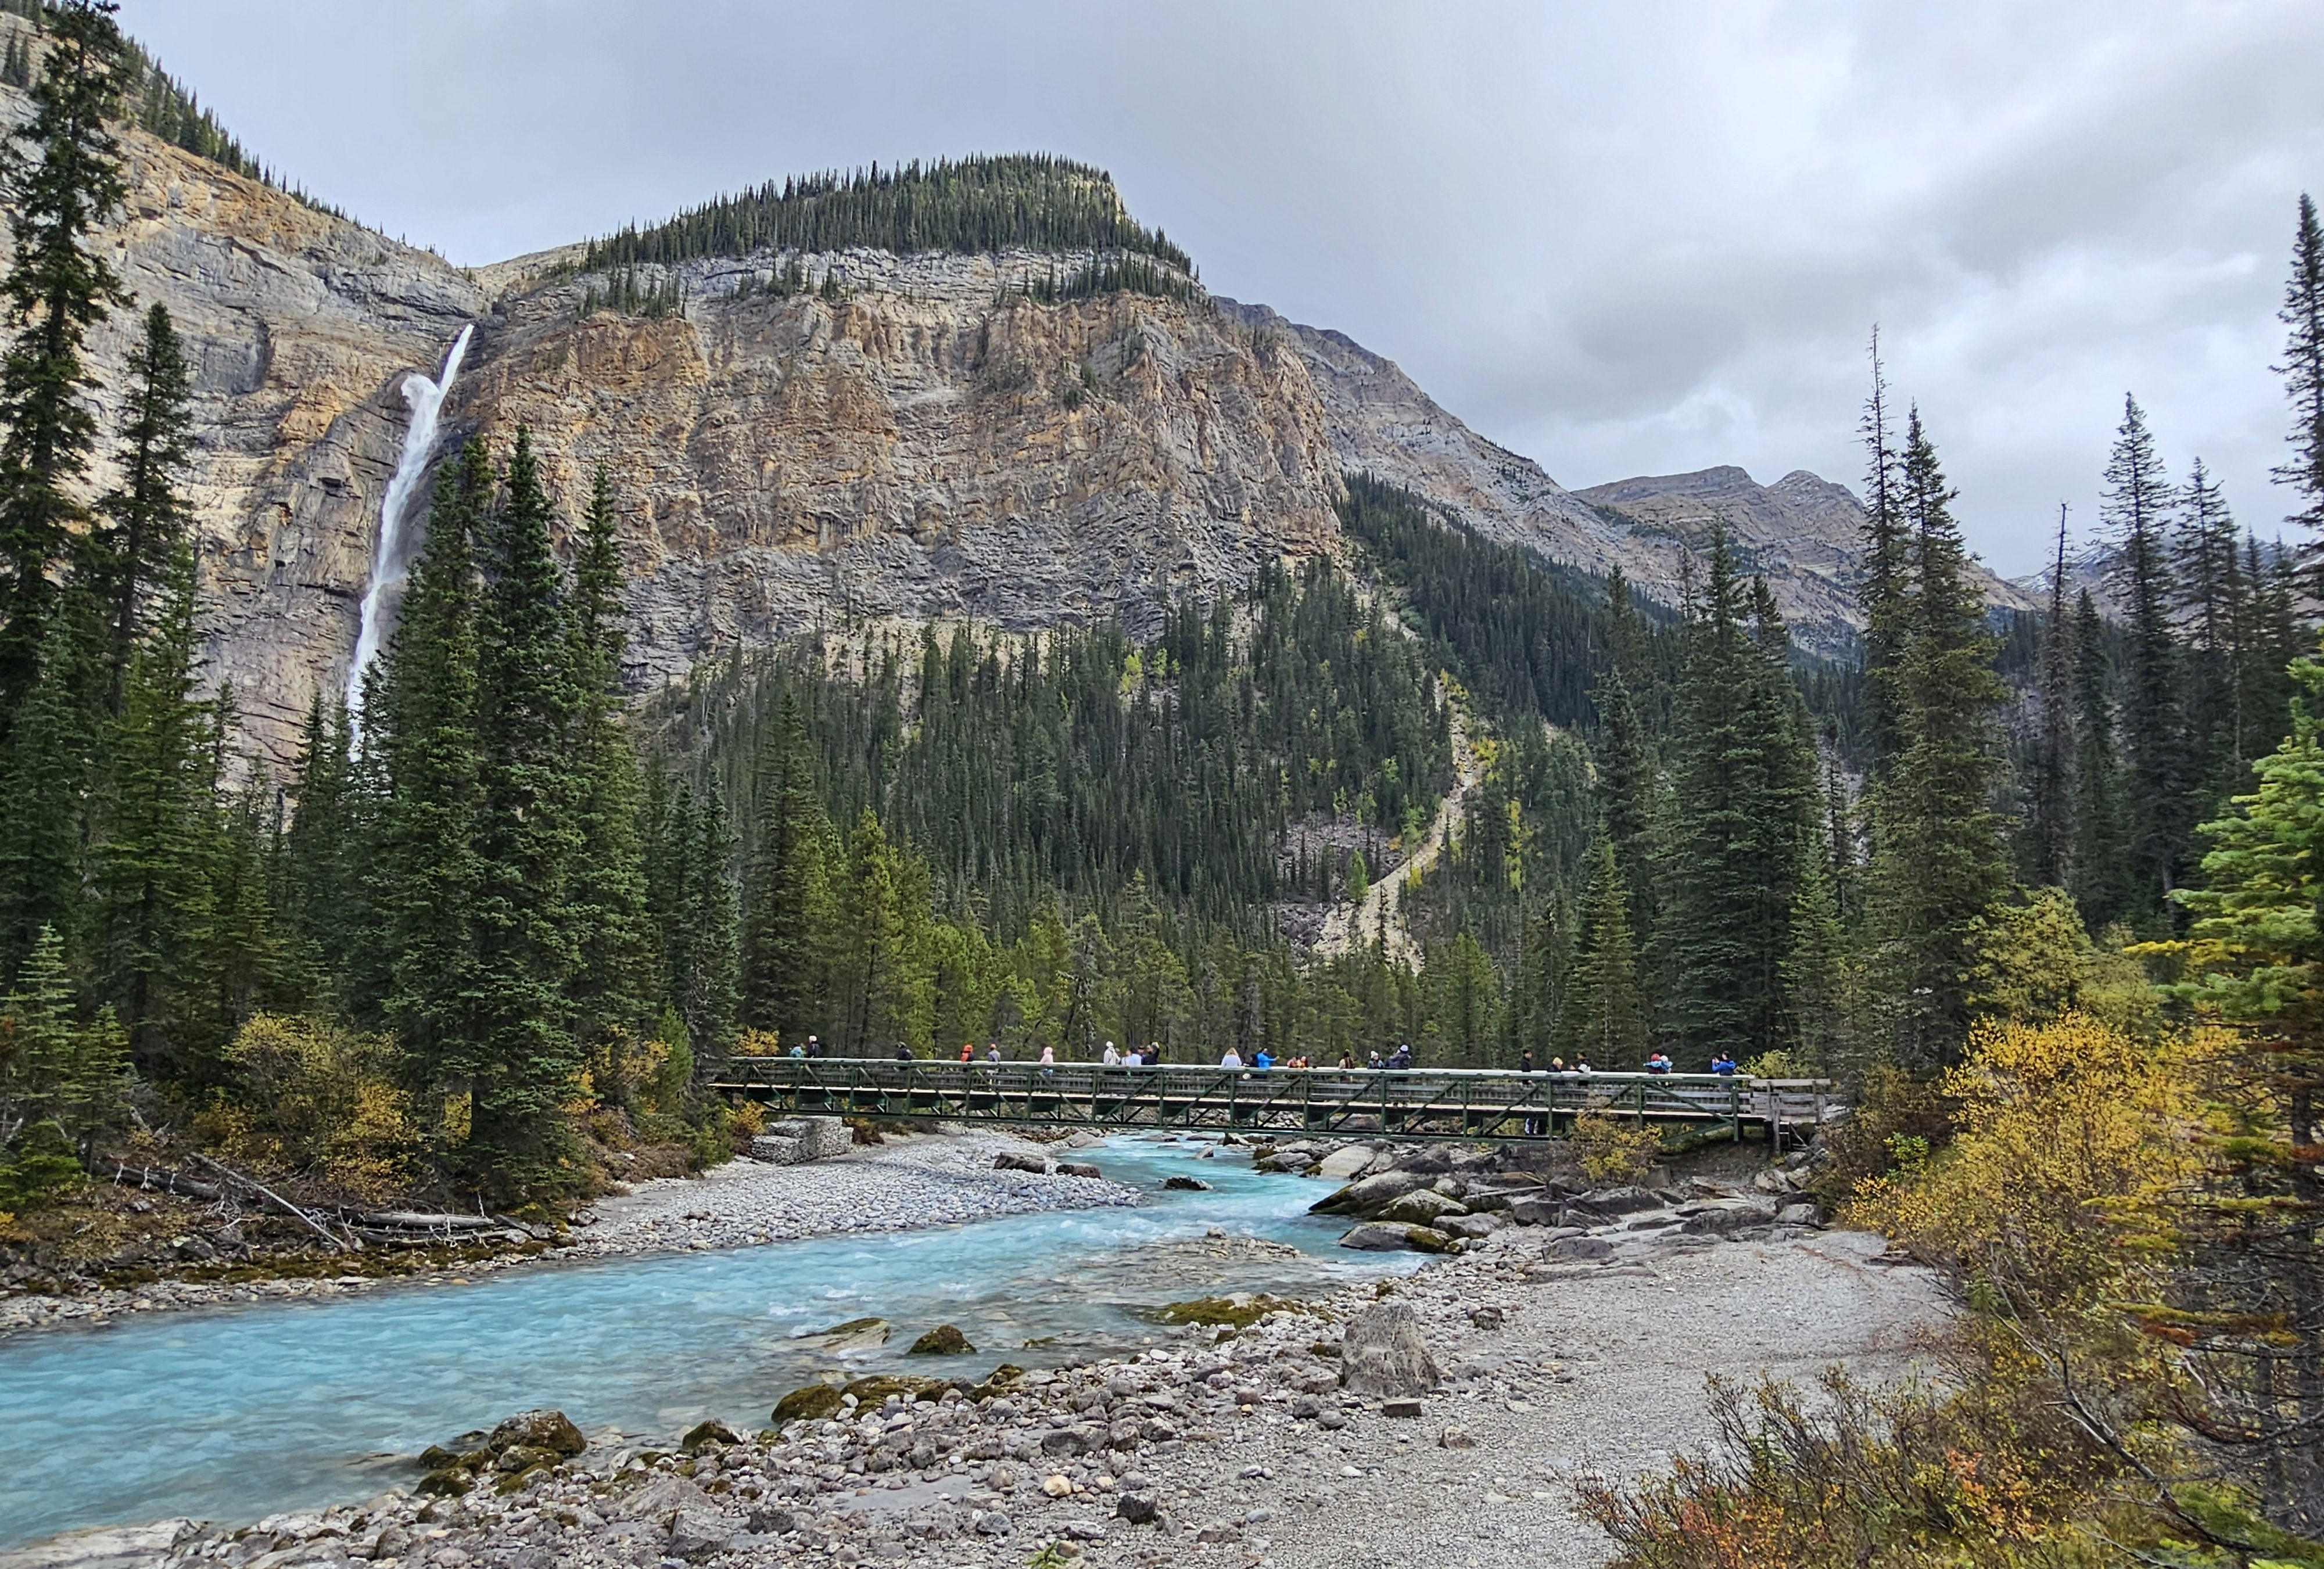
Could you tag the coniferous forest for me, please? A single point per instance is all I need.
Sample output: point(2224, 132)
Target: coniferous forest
point(2037, 892)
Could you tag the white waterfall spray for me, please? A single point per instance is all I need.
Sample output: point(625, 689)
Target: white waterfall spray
point(392, 561)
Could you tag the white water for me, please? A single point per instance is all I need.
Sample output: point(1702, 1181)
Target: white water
point(392, 562)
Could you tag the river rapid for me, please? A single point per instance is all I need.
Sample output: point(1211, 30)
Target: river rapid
point(235, 1413)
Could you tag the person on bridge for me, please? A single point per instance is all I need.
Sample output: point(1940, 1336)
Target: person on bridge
point(1403, 1057)
point(1347, 1061)
point(1525, 1062)
point(1048, 1057)
point(1658, 1063)
point(798, 1051)
point(813, 1046)
point(1375, 1064)
point(903, 1052)
point(1581, 1065)
point(1260, 1060)
point(1232, 1058)
point(1557, 1066)
point(992, 1051)
point(968, 1051)
point(1723, 1065)
point(1112, 1058)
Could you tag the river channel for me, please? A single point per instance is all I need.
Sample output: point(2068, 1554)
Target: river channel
point(235, 1413)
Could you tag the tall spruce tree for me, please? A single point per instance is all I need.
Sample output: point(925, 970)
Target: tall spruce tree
point(64, 172)
point(614, 989)
point(155, 856)
point(2304, 373)
point(2208, 577)
point(1602, 1018)
point(1743, 803)
point(45, 768)
point(521, 1061)
point(784, 890)
point(1884, 593)
point(421, 724)
point(1938, 860)
point(1625, 783)
point(2100, 873)
point(2138, 504)
point(2048, 828)
point(142, 520)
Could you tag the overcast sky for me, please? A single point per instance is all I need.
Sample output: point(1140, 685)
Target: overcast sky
point(1621, 239)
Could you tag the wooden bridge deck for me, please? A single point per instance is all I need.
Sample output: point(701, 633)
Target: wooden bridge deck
point(1390, 1104)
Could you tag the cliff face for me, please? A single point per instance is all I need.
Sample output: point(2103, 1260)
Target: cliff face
point(918, 448)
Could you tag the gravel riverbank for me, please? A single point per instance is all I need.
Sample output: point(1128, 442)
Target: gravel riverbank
point(933, 1179)
point(1239, 1449)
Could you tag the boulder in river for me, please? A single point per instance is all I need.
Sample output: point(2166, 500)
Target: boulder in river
point(1186, 1185)
point(550, 1430)
point(810, 1404)
point(1382, 1354)
point(1078, 1168)
point(1422, 1207)
point(873, 1390)
point(1345, 1163)
point(1370, 1195)
point(856, 1334)
point(1376, 1236)
point(1009, 1160)
point(943, 1341)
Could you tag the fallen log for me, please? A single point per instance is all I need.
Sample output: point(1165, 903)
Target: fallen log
point(278, 1202)
point(414, 1220)
point(162, 1179)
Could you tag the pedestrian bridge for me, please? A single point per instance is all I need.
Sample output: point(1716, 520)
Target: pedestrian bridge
point(1369, 1102)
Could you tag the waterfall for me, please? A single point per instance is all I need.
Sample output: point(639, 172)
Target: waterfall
point(393, 559)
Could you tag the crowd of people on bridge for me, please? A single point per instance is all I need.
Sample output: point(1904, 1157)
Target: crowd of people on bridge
point(1261, 1060)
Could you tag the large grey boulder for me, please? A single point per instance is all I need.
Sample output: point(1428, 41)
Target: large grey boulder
point(1617, 1201)
point(1718, 1220)
point(550, 1430)
point(819, 1138)
point(1423, 1207)
point(1371, 1195)
point(1383, 1356)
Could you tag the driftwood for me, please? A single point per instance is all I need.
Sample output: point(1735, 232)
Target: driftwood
point(412, 1220)
point(162, 1179)
point(284, 1205)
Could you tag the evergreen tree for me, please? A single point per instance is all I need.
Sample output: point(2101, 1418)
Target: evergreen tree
point(2211, 606)
point(44, 772)
point(143, 518)
point(64, 175)
point(2049, 829)
point(1626, 768)
point(1884, 595)
point(1937, 852)
point(1744, 804)
point(519, 1055)
point(615, 988)
point(2303, 370)
point(54, 1071)
point(709, 999)
point(2100, 868)
point(152, 864)
point(1815, 983)
point(322, 886)
point(1465, 995)
point(785, 892)
point(867, 955)
point(2138, 504)
point(424, 714)
point(1603, 1017)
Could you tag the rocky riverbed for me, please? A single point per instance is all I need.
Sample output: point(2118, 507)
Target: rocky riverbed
point(933, 1179)
point(1223, 1445)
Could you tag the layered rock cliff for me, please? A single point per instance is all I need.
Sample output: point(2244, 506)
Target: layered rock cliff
point(922, 439)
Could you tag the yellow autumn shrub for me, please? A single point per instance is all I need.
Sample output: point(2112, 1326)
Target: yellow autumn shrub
point(1612, 1151)
point(318, 1101)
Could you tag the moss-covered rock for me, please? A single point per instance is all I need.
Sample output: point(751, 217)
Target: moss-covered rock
point(1238, 1311)
point(448, 1481)
point(943, 1341)
point(811, 1404)
point(550, 1430)
point(876, 1389)
point(999, 1381)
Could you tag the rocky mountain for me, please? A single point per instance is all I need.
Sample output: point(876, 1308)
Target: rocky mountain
point(1801, 533)
point(798, 437)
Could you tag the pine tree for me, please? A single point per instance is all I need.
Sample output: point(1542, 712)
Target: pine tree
point(322, 891)
point(866, 960)
point(1936, 851)
point(68, 1076)
point(45, 768)
point(519, 1057)
point(785, 892)
point(144, 518)
point(2049, 829)
point(152, 864)
point(2211, 590)
point(1603, 1018)
point(615, 988)
point(707, 894)
point(424, 714)
point(1744, 794)
point(1626, 768)
point(2138, 504)
point(1884, 593)
point(2303, 371)
point(64, 174)
point(1815, 986)
point(2099, 869)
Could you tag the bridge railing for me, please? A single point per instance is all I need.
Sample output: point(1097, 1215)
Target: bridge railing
point(1413, 1102)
